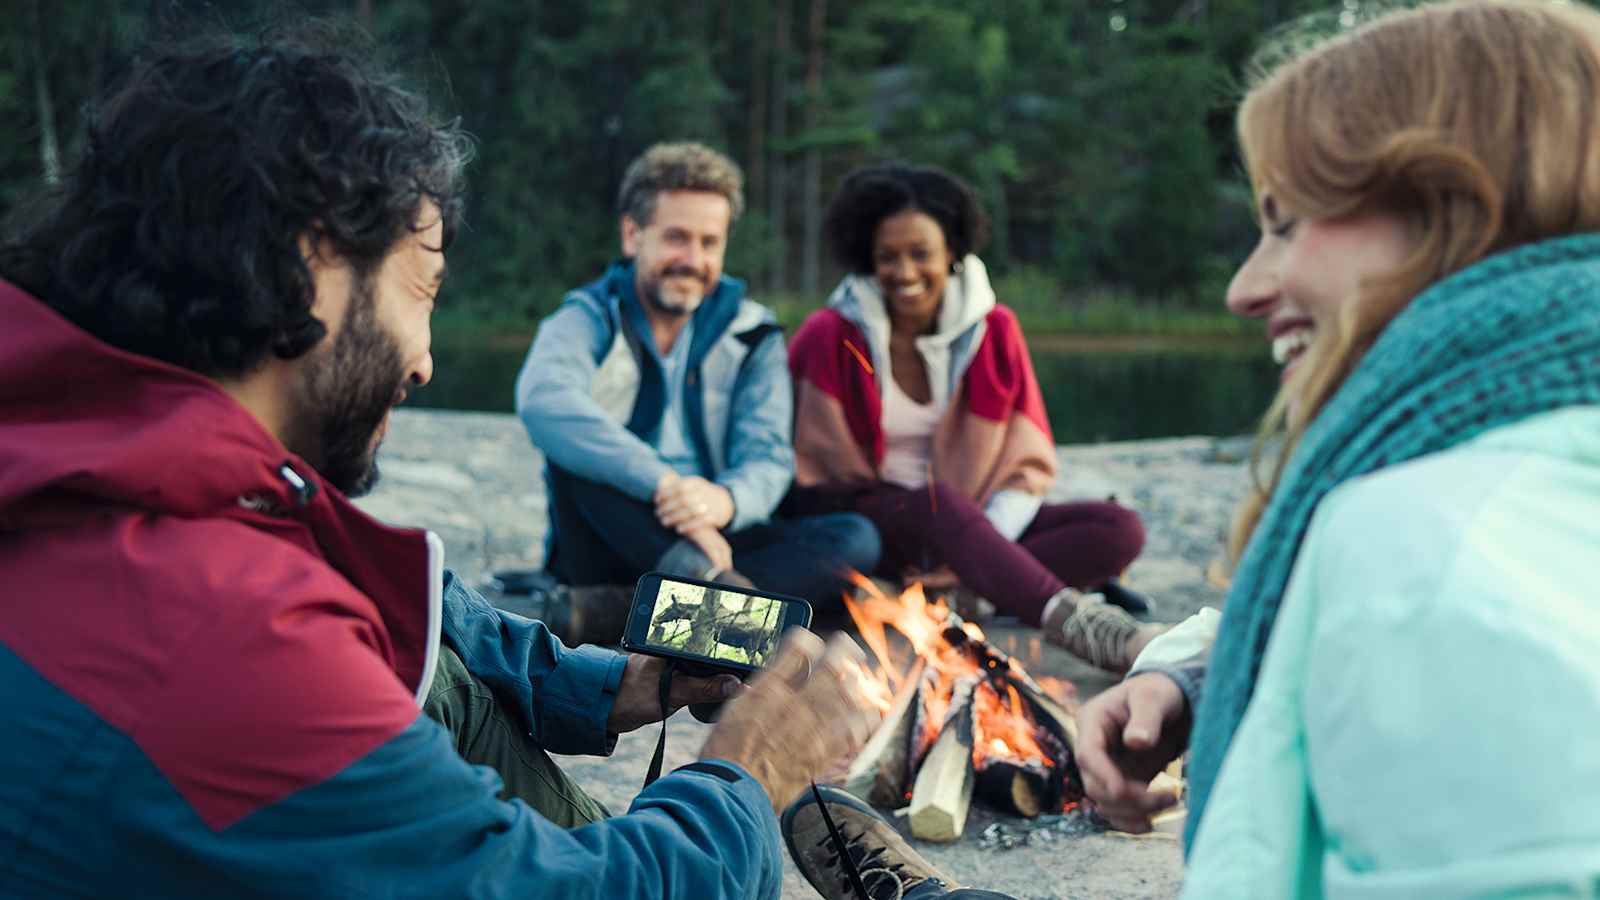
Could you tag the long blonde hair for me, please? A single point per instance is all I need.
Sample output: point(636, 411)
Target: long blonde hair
point(1476, 122)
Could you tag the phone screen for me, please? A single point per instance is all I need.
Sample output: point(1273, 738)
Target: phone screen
point(714, 622)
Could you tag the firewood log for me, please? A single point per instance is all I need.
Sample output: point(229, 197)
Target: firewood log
point(1062, 729)
point(880, 772)
point(942, 794)
point(1023, 789)
point(1050, 713)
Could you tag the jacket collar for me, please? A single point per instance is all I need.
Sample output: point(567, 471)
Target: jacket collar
point(136, 433)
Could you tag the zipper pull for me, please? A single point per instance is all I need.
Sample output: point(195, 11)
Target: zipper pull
point(304, 489)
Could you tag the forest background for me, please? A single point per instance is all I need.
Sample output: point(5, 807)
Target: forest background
point(1099, 132)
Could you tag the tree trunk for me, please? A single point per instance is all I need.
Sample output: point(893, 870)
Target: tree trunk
point(811, 258)
point(777, 178)
point(703, 627)
point(756, 141)
point(364, 13)
point(999, 221)
point(49, 148)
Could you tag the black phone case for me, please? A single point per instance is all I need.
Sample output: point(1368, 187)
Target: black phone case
point(699, 667)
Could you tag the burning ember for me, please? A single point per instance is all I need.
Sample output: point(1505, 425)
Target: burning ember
point(959, 716)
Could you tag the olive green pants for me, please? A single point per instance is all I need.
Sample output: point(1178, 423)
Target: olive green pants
point(488, 733)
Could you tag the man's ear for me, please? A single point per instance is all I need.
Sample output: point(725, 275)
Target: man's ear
point(630, 237)
point(317, 250)
point(330, 277)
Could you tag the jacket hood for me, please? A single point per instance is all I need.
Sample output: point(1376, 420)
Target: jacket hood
point(131, 431)
point(968, 298)
point(86, 428)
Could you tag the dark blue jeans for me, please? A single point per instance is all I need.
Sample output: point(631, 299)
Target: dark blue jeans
point(602, 536)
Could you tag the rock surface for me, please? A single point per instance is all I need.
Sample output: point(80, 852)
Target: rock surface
point(473, 478)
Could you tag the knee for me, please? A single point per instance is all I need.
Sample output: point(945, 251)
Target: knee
point(952, 504)
point(856, 540)
point(1124, 535)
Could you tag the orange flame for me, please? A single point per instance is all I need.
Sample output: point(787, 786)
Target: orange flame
point(1004, 724)
point(1005, 730)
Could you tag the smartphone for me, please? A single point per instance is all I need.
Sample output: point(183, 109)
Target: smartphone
point(709, 627)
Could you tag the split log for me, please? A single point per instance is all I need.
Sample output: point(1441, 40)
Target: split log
point(1026, 789)
point(880, 772)
point(942, 794)
point(920, 722)
point(1172, 819)
point(1049, 713)
point(1061, 729)
point(997, 664)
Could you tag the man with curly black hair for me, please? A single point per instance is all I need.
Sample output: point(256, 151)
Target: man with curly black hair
point(213, 661)
point(660, 397)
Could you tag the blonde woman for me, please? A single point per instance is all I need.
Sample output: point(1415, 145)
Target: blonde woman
point(1403, 699)
point(1403, 696)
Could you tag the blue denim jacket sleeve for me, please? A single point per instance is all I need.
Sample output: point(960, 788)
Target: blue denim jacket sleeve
point(411, 818)
point(560, 414)
point(564, 695)
point(760, 422)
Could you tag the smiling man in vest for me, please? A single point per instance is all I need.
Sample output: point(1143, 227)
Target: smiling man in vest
point(660, 397)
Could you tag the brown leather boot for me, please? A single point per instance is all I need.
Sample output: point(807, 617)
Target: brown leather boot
point(591, 614)
point(597, 613)
point(1096, 632)
point(888, 867)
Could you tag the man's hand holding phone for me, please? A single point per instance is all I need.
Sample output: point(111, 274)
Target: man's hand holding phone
point(799, 715)
point(638, 700)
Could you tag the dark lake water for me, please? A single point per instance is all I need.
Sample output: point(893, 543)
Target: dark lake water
point(1094, 390)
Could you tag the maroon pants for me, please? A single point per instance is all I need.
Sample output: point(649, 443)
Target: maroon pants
point(1080, 545)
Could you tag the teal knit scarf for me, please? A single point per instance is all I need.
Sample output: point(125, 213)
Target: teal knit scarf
point(1514, 335)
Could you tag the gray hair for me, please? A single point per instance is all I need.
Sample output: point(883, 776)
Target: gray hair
point(681, 166)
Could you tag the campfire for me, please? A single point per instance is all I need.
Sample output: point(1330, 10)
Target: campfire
point(960, 718)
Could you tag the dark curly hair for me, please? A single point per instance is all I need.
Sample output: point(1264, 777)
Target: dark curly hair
point(874, 193)
point(176, 235)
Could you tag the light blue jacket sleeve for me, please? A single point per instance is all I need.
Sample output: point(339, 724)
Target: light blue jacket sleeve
point(760, 461)
point(564, 695)
point(562, 418)
point(1427, 718)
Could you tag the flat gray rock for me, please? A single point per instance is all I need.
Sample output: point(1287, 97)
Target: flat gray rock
point(474, 479)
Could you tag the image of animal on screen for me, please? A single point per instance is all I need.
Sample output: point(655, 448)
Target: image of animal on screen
point(716, 623)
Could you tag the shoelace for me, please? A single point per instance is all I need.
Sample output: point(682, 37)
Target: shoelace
point(859, 872)
point(840, 846)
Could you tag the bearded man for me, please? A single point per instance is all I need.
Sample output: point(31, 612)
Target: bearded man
point(660, 397)
point(214, 663)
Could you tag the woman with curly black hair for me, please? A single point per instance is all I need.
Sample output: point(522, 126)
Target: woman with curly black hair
point(917, 406)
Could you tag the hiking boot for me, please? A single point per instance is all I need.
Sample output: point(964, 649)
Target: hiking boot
point(888, 866)
point(589, 614)
point(597, 613)
point(1117, 595)
point(1102, 635)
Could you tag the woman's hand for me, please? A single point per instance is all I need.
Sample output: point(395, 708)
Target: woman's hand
point(1125, 736)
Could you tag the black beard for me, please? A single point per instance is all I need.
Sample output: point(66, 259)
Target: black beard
point(344, 395)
